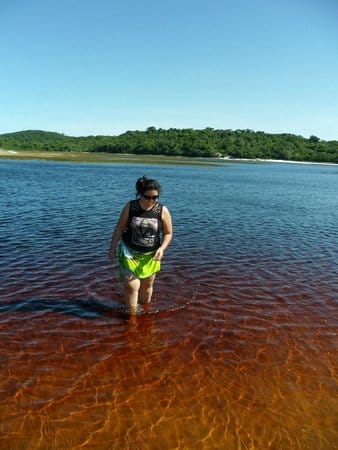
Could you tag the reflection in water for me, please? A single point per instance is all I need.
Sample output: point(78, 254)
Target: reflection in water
point(236, 351)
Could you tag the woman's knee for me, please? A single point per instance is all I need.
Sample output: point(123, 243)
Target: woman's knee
point(147, 283)
point(132, 286)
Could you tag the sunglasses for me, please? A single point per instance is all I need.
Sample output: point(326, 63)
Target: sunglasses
point(150, 197)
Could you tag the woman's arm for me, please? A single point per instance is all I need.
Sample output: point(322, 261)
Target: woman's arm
point(119, 229)
point(167, 233)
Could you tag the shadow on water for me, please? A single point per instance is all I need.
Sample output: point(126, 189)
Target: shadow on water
point(82, 308)
point(87, 308)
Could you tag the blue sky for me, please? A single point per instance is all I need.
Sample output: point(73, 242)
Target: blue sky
point(83, 67)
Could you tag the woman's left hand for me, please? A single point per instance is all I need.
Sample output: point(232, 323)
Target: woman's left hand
point(158, 254)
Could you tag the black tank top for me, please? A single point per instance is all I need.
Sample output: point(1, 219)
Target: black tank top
point(144, 228)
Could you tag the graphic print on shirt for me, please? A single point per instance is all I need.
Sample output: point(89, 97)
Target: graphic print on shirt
point(143, 231)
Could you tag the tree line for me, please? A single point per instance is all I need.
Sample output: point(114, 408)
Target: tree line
point(206, 143)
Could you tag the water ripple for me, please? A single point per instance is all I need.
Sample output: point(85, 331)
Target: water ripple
point(237, 349)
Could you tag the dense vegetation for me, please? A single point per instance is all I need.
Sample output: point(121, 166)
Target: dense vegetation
point(182, 142)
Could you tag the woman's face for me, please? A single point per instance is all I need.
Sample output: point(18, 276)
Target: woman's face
point(150, 197)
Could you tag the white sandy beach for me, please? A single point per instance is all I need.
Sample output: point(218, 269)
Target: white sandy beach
point(229, 158)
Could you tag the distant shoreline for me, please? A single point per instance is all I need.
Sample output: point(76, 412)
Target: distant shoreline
point(145, 159)
point(117, 158)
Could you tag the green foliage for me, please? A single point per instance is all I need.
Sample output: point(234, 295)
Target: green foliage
point(182, 142)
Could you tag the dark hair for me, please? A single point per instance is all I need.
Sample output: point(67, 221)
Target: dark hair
point(146, 184)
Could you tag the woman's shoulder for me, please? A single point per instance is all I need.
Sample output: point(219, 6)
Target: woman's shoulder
point(165, 211)
point(134, 205)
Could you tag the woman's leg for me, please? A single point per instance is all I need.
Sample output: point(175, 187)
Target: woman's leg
point(146, 289)
point(131, 290)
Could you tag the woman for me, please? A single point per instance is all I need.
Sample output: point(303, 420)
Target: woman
point(140, 238)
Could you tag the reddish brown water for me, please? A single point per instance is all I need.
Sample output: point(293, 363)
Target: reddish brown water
point(237, 350)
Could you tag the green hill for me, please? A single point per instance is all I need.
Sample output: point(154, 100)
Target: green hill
point(182, 142)
point(33, 135)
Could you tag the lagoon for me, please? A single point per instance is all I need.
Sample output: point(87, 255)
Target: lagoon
point(237, 349)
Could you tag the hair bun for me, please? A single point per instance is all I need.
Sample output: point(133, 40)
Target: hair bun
point(144, 184)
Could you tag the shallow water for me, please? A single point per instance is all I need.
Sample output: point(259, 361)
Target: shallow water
point(237, 350)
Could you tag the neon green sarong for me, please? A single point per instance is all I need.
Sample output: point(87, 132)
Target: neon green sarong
point(141, 265)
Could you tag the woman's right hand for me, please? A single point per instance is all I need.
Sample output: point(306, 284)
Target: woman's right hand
point(112, 253)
